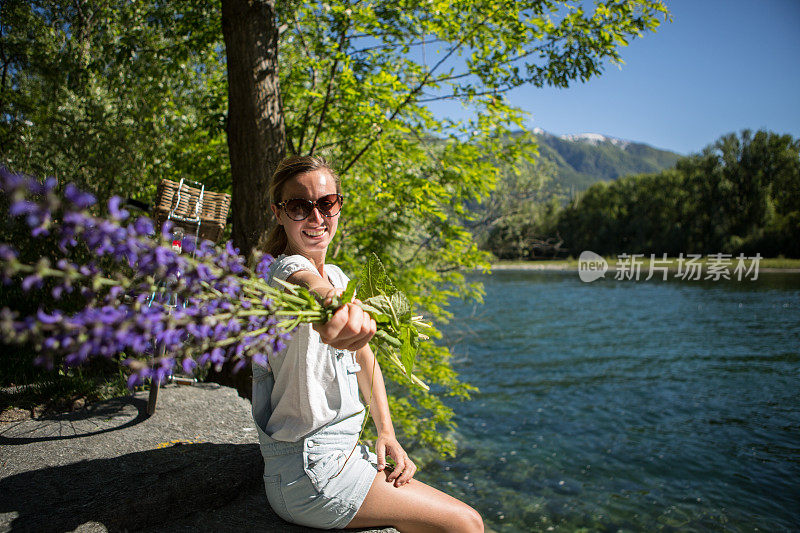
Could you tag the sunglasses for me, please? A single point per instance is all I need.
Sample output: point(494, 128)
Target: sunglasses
point(300, 209)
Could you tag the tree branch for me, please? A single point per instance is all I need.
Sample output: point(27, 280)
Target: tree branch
point(417, 89)
point(326, 102)
point(463, 95)
point(307, 113)
point(390, 45)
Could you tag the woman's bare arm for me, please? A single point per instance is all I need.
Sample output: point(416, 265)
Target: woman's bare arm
point(373, 390)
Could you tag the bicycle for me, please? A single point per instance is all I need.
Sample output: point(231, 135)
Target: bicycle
point(188, 208)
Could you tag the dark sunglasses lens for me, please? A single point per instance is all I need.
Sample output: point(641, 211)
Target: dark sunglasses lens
point(298, 209)
point(329, 205)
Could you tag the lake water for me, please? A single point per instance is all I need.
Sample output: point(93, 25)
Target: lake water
point(625, 405)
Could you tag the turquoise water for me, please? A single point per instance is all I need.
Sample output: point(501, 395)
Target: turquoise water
point(624, 405)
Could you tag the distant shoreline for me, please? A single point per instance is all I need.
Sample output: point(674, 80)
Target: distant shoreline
point(565, 267)
point(767, 265)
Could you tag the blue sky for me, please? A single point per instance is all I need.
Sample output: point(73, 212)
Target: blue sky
point(720, 66)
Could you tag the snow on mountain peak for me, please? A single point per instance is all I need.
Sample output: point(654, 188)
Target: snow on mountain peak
point(594, 139)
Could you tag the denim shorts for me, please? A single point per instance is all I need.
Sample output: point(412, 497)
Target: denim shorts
point(312, 482)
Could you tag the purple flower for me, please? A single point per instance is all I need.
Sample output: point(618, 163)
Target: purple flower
point(134, 380)
point(49, 185)
point(79, 199)
point(10, 181)
point(44, 318)
point(166, 230)
point(188, 365)
point(115, 291)
point(114, 209)
point(262, 268)
point(204, 272)
point(22, 207)
point(110, 324)
point(7, 253)
point(217, 356)
point(259, 359)
point(278, 345)
point(143, 226)
point(34, 280)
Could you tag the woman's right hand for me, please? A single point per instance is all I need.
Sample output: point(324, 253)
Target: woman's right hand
point(350, 328)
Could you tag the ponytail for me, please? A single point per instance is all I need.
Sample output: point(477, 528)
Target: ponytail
point(276, 241)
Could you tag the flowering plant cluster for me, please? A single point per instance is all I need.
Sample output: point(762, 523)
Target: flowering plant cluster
point(203, 307)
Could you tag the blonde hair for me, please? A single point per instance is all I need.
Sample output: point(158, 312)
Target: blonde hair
point(289, 168)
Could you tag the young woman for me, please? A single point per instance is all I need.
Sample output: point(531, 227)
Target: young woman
point(306, 403)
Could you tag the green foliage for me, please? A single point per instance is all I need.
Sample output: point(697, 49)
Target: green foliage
point(519, 219)
point(113, 95)
point(738, 195)
point(63, 391)
point(116, 95)
point(398, 330)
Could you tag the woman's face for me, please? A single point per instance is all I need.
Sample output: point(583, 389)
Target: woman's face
point(309, 237)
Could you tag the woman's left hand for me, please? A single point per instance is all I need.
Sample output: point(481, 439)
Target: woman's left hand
point(404, 470)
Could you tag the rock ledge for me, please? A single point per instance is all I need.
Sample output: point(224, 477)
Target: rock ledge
point(193, 465)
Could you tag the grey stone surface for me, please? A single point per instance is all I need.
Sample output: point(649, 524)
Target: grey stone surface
point(192, 466)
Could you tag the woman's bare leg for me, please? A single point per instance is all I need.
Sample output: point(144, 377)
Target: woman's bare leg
point(415, 507)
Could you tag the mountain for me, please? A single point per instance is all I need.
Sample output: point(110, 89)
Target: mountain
point(586, 158)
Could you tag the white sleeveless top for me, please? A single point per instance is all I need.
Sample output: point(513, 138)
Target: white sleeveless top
point(306, 395)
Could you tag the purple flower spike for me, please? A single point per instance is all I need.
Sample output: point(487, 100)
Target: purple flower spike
point(133, 307)
point(143, 226)
point(204, 272)
point(188, 365)
point(134, 380)
point(79, 199)
point(262, 268)
point(114, 209)
point(260, 359)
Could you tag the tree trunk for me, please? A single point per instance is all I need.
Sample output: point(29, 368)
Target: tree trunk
point(256, 133)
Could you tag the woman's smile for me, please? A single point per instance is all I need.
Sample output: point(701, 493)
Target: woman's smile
point(313, 233)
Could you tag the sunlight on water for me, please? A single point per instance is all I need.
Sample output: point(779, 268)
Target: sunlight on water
point(628, 405)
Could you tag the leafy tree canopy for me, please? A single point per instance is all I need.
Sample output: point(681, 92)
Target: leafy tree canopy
point(116, 95)
point(739, 195)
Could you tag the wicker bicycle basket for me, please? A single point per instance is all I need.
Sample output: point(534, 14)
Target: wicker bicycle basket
point(189, 207)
